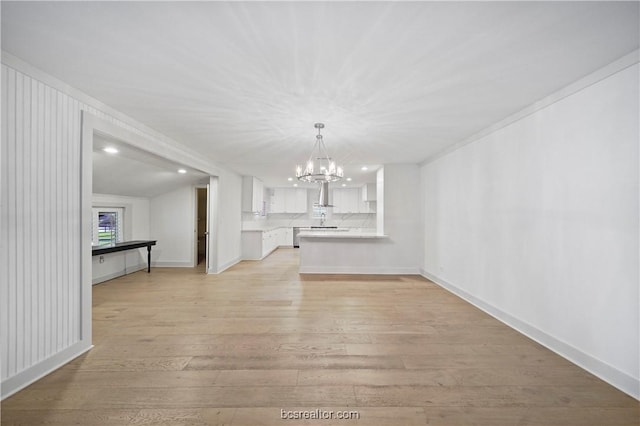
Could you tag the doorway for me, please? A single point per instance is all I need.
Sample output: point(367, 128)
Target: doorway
point(202, 227)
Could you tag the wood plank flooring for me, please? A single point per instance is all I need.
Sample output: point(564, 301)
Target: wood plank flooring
point(177, 347)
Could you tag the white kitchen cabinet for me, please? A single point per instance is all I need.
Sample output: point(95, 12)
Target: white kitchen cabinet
point(284, 237)
point(300, 201)
point(336, 200)
point(256, 245)
point(251, 245)
point(287, 237)
point(346, 200)
point(368, 198)
point(369, 192)
point(269, 241)
point(252, 194)
point(367, 206)
point(278, 200)
point(289, 200)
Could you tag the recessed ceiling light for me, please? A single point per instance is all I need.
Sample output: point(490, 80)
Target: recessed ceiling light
point(295, 184)
point(364, 168)
point(344, 184)
point(289, 179)
point(110, 150)
point(323, 168)
point(182, 171)
point(348, 179)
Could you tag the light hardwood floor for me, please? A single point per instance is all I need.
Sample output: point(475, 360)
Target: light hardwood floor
point(177, 347)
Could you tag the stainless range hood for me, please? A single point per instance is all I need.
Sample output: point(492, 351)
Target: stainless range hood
point(323, 195)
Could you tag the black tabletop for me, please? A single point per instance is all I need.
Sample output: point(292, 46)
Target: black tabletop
point(124, 245)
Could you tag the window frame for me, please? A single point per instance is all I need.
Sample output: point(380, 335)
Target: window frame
point(95, 224)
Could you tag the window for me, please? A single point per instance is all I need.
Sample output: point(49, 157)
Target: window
point(318, 212)
point(107, 225)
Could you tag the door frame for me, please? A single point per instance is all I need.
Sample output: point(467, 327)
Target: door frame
point(207, 227)
point(92, 124)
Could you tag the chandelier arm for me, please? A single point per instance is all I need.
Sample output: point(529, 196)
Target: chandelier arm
point(323, 148)
point(312, 151)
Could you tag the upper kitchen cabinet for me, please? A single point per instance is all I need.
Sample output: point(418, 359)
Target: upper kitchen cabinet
point(368, 198)
point(289, 200)
point(252, 194)
point(351, 200)
point(346, 200)
point(369, 192)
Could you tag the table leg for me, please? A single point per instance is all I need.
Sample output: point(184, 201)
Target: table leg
point(148, 259)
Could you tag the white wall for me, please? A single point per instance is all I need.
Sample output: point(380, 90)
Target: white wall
point(537, 223)
point(401, 214)
point(228, 204)
point(172, 221)
point(136, 227)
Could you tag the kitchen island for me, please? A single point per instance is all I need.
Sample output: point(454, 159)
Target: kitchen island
point(341, 251)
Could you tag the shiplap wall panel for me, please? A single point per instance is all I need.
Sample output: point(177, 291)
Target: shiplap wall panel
point(4, 288)
point(20, 219)
point(41, 215)
point(11, 227)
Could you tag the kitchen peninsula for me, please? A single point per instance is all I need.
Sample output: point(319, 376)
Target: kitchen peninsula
point(339, 251)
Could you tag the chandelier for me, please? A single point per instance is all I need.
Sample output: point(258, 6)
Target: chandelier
point(325, 170)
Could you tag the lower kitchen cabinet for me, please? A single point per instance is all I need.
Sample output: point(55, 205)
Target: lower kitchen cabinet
point(257, 245)
point(287, 237)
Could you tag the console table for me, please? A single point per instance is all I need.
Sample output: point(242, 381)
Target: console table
point(126, 245)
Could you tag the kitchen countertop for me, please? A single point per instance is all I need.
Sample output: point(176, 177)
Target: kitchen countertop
point(266, 229)
point(307, 228)
point(340, 234)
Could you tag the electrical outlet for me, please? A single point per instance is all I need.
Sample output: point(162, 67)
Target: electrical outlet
point(101, 259)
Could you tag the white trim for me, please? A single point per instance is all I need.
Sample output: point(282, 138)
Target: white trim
point(86, 206)
point(129, 270)
point(213, 211)
point(358, 270)
point(604, 371)
point(188, 264)
point(591, 79)
point(261, 257)
point(195, 226)
point(227, 265)
point(148, 143)
point(35, 372)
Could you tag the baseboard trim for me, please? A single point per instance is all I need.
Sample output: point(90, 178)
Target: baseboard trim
point(355, 270)
point(172, 264)
point(261, 257)
point(226, 266)
point(128, 270)
point(604, 371)
point(34, 373)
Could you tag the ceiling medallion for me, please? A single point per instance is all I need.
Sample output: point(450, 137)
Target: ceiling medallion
point(325, 170)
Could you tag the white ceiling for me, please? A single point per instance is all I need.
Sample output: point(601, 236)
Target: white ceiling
point(242, 83)
point(137, 173)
